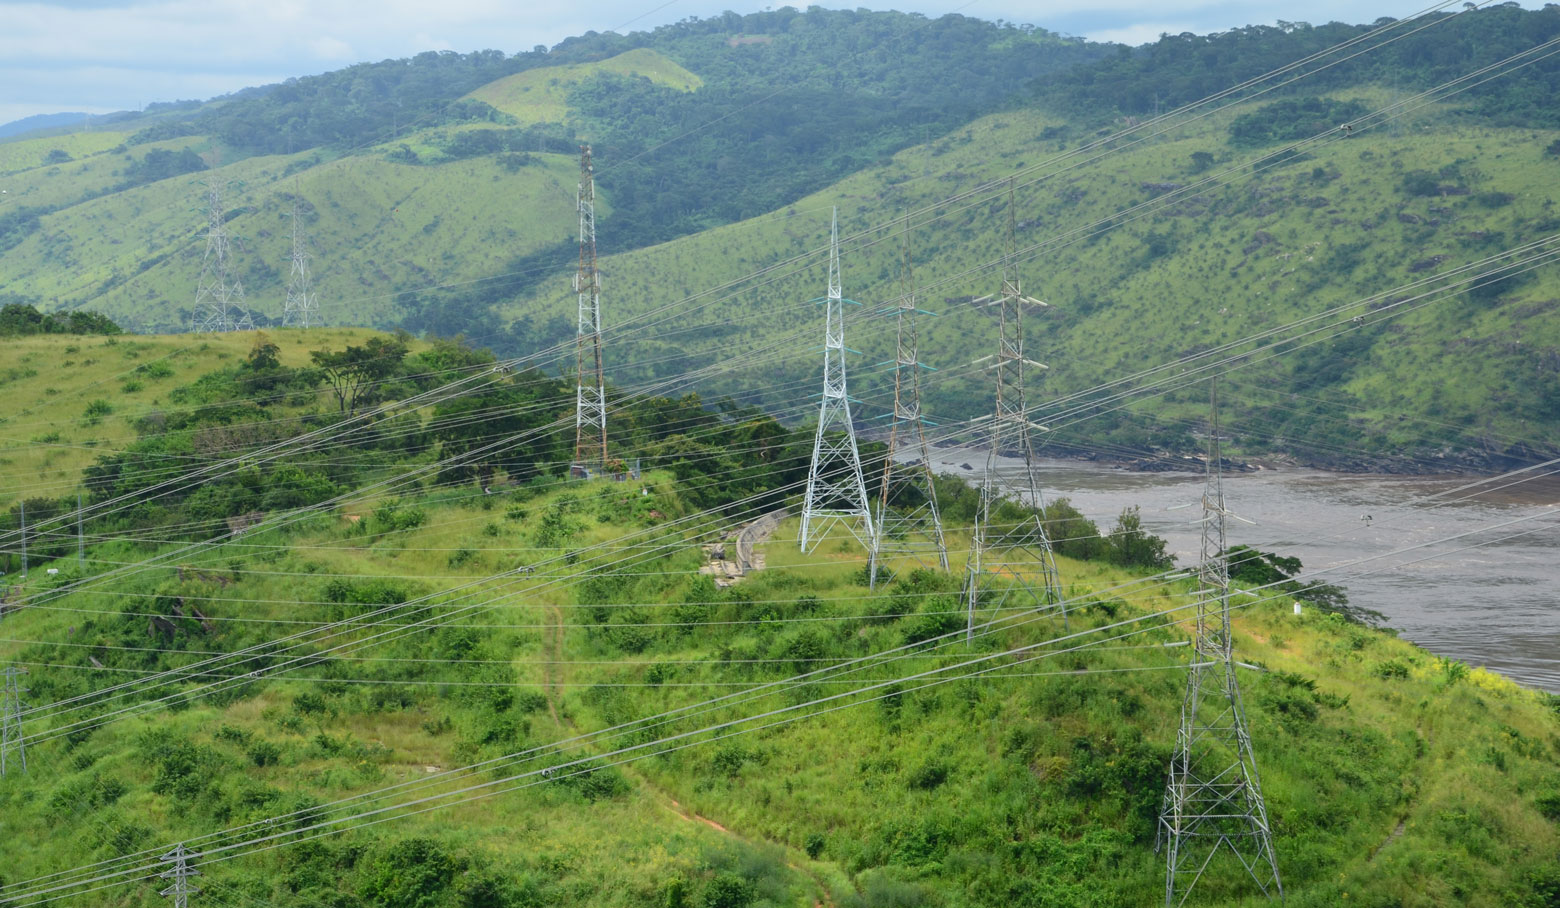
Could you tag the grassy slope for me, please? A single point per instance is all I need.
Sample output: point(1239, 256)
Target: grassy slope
point(27, 153)
point(541, 95)
point(62, 185)
point(48, 382)
point(1117, 307)
point(1388, 785)
point(376, 227)
point(1234, 260)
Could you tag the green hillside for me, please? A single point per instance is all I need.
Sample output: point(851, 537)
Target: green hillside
point(376, 226)
point(71, 399)
point(1212, 267)
point(23, 154)
point(430, 112)
point(436, 204)
point(542, 95)
point(1392, 778)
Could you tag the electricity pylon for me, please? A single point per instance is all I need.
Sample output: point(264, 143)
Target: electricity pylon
point(590, 398)
point(302, 309)
point(1018, 554)
point(180, 873)
point(13, 746)
point(1213, 800)
point(836, 492)
point(907, 501)
point(219, 296)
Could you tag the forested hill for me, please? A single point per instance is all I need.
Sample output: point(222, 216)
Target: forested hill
point(1182, 68)
point(438, 194)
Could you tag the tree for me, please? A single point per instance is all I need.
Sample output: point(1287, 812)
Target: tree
point(1129, 545)
point(262, 356)
point(355, 373)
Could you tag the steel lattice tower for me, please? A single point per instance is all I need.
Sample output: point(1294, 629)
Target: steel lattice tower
point(590, 407)
point(836, 492)
point(180, 873)
point(1213, 800)
point(13, 746)
point(1013, 552)
point(907, 502)
point(219, 297)
point(302, 309)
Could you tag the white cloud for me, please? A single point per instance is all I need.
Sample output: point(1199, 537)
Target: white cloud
point(1133, 35)
point(332, 49)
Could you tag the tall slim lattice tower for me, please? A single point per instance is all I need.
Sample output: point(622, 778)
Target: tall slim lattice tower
point(13, 746)
point(1213, 802)
point(180, 872)
point(836, 492)
point(219, 296)
point(302, 309)
point(1018, 553)
point(908, 522)
point(590, 400)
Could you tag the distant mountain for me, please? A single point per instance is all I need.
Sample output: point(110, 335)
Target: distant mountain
point(40, 121)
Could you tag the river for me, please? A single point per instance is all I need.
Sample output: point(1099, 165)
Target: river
point(1495, 605)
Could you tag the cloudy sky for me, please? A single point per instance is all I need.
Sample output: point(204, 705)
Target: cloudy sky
point(99, 56)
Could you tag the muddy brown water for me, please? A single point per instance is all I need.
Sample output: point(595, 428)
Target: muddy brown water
point(1490, 597)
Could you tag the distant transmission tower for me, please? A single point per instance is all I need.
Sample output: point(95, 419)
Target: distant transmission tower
point(590, 408)
point(907, 503)
point(303, 307)
point(219, 297)
point(1213, 801)
point(180, 873)
point(1011, 553)
point(13, 747)
point(836, 492)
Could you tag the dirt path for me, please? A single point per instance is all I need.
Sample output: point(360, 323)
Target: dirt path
point(554, 652)
point(1402, 823)
point(552, 680)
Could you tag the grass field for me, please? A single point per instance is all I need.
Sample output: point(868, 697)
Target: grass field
point(1223, 262)
point(542, 95)
point(1391, 777)
point(65, 400)
point(379, 231)
point(29, 153)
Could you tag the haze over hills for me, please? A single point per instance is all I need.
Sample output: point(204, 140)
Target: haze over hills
point(41, 122)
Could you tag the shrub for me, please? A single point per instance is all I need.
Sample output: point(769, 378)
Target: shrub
point(1390, 669)
point(265, 753)
point(530, 701)
point(409, 874)
point(728, 890)
point(1420, 183)
point(392, 516)
point(928, 775)
point(730, 759)
point(814, 845)
point(1548, 804)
